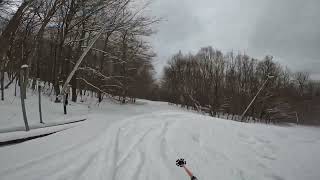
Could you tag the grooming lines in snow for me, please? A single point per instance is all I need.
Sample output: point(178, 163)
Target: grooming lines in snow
point(182, 163)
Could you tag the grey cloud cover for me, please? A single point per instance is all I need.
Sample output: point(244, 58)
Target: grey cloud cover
point(286, 29)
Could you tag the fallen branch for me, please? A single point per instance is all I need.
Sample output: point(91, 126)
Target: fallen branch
point(112, 86)
point(102, 75)
point(88, 83)
point(7, 86)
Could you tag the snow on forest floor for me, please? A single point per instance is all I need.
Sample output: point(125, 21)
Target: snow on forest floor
point(142, 141)
point(11, 118)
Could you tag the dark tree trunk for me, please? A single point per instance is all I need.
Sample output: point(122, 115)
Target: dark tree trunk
point(39, 94)
point(11, 28)
point(11, 81)
point(2, 84)
point(55, 74)
point(65, 103)
point(74, 88)
point(15, 87)
point(57, 91)
point(22, 97)
point(102, 58)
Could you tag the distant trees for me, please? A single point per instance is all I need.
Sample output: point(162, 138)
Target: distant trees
point(106, 37)
point(302, 79)
point(224, 84)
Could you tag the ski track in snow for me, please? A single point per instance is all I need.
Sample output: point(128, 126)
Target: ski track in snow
point(141, 142)
point(142, 159)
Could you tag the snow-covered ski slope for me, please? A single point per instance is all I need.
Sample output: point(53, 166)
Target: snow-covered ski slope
point(142, 142)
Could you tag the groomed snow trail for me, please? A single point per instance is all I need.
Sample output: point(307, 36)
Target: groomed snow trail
point(142, 142)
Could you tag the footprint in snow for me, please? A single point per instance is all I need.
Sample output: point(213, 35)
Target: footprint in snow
point(262, 140)
point(268, 157)
point(275, 177)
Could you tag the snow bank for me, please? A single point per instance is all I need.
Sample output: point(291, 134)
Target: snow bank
point(19, 135)
point(11, 118)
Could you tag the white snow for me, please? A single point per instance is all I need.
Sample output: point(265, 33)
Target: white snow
point(17, 135)
point(24, 66)
point(11, 113)
point(142, 142)
point(46, 125)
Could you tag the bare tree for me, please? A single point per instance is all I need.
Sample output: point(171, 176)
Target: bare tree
point(217, 83)
point(302, 79)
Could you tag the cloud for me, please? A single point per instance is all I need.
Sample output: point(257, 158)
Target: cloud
point(287, 29)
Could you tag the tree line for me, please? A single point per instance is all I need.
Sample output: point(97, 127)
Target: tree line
point(225, 84)
point(48, 39)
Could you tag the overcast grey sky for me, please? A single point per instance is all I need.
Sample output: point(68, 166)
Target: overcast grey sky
point(287, 29)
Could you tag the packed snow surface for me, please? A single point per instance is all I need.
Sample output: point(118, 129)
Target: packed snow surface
point(142, 142)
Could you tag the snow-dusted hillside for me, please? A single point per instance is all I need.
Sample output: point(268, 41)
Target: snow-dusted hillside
point(142, 141)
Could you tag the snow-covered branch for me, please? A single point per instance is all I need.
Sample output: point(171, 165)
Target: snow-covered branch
point(90, 84)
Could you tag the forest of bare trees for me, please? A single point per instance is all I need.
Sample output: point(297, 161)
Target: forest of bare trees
point(224, 85)
point(74, 46)
point(78, 46)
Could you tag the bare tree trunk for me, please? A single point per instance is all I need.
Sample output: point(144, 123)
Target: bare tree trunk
point(11, 28)
point(55, 78)
point(22, 97)
point(102, 62)
point(39, 92)
point(254, 98)
point(15, 87)
point(74, 78)
point(65, 103)
point(75, 68)
point(2, 82)
point(74, 88)
point(80, 90)
point(25, 83)
point(57, 91)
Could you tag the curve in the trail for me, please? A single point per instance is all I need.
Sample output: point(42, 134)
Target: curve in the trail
point(146, 145)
